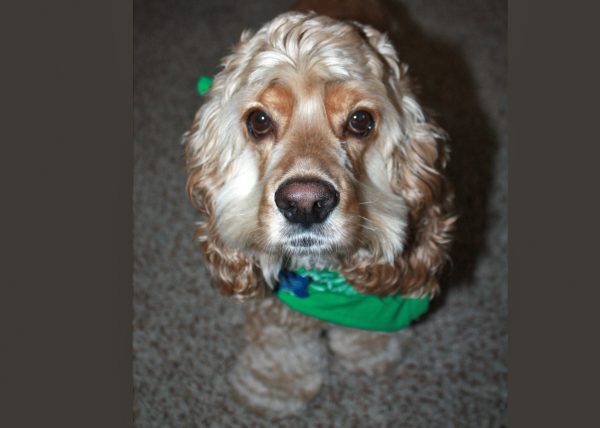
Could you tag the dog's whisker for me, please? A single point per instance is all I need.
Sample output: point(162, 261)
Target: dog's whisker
point(238, 215)
point(369, 228)
point(367, 219)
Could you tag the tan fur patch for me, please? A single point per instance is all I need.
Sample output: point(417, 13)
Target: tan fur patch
point(279, 100)
point(340, 97)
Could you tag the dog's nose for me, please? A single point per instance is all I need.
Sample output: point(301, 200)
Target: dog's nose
point(306, 201)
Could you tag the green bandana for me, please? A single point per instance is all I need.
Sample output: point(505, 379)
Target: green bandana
point(328, 296)
point(204, 84)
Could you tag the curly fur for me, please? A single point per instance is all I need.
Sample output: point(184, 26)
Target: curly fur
point(402, 202)
point(391, 230)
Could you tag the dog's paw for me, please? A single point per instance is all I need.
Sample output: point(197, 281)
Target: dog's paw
point(269, 400)
point(367, 352)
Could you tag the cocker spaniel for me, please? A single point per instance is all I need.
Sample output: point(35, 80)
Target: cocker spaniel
point(312, 154)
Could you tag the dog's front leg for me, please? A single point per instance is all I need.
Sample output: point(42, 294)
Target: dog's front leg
point(281, 368)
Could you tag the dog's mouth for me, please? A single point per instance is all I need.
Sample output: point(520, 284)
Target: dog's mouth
point(303, 242)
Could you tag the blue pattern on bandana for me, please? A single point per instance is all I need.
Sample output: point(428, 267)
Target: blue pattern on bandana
point(294, 284)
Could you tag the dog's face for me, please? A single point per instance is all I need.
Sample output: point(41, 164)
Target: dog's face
point(304, 181)
point(310, 147)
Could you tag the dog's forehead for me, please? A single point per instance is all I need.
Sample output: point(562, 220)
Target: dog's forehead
point(309, 67)
point(334, 52)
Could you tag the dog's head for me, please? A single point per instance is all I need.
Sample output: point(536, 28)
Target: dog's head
point(311, 148)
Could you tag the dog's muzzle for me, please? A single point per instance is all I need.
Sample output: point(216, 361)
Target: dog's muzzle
point(306, 201)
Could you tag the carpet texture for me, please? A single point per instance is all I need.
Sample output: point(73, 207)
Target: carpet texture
point(187, 336)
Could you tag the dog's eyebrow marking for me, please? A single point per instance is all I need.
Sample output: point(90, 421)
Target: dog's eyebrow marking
point(338, 98)
point(279, 97)
point(279, 100)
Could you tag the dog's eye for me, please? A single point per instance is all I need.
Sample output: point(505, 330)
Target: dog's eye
point(259, 124)
point(361, 123)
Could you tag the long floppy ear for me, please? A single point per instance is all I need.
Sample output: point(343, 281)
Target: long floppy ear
point(415, 164)
point(208, 154)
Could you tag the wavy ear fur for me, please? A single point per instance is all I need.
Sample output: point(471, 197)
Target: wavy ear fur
point(416, 172)
point(208, 158)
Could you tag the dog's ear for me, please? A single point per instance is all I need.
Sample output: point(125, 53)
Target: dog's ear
point(416, 161)
point(208, 153)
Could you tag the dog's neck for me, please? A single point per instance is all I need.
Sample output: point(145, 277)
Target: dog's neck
point(271, 264)
point(311, 261)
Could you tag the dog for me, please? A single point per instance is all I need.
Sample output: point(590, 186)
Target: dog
point(311, 151)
